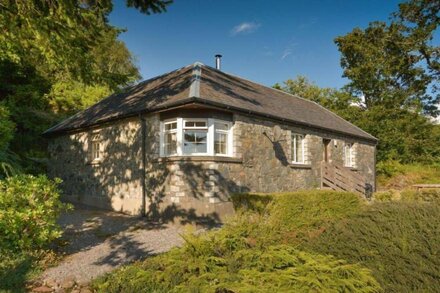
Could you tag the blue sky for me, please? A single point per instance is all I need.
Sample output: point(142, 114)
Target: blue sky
point(260, 40)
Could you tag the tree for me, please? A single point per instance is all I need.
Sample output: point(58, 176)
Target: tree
point(339, 101)
point(58, 57)
point(396, 64)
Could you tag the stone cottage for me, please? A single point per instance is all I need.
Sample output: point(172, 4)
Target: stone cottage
point(178, 145)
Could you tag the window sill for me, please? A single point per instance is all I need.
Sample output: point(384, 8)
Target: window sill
point(95, 162)
point(300, 166)
point(200, 159)
point(351, 168)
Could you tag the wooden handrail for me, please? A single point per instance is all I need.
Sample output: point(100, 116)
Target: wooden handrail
point(340, 178)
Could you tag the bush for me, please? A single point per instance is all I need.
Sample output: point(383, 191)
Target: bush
point(29, 207)
point(398, 241)
point(311, 209)
point(246, 254)
point(201, 266)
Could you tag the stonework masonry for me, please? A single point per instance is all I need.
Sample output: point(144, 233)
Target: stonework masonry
point(193, 188)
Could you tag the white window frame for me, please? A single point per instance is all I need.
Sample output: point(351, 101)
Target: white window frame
point(294, 158)
point(205, 128)
point(96, 140)
point(210, 129)
point(349, 159)
point(164, 131)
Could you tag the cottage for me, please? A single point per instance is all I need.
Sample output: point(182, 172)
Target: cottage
point(179, 144)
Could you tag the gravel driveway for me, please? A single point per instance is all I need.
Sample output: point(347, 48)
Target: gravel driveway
point(98, 241)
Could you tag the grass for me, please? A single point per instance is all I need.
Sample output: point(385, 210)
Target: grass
point(392, 175)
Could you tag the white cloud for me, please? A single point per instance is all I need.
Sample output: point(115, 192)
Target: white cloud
point(245, 28)
point(286, 53)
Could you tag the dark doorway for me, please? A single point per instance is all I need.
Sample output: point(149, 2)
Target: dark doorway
point(326, 143)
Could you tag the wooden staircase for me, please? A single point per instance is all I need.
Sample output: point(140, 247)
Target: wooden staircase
point(342, 179)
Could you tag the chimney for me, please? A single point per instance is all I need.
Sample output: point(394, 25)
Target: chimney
point(218, 59)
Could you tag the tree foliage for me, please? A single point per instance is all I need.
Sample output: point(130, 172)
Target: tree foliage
point(396, 65)
point(56, 58)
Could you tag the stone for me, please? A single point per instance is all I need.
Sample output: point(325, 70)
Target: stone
point(42, 289)
point(67, 283)
point(51, 283)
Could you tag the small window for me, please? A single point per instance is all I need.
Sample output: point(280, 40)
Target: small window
point(170, 138)
point(96, 147)
point(221, 138)
point(348, 155)
point(298, 149)
point(195, 124)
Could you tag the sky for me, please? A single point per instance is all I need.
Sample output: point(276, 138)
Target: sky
point(265, 41)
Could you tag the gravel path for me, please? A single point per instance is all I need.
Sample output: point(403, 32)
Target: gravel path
point(96, 242)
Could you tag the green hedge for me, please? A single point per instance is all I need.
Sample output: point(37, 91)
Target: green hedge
point(399, 241)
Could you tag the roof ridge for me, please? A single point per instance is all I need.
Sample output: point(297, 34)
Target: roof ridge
point(194, 89)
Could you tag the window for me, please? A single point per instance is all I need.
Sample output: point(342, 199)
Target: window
point(298, 149)
point(96, 146)
point(195, 137)
point(170, 138)
point(349, 155)
point(221, 138)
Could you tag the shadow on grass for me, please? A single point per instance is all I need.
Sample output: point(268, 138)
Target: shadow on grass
point(15, 270)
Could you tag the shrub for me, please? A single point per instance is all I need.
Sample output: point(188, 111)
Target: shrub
point(251, 202)
point(246, 255)
point(424, 195)
point(200, 267)
point(398, 241)
point(294, 216)
point(29, 207)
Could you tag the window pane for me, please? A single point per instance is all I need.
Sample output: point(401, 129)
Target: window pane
point(171, 143)
point(96, 146)
point(195, 142)
point(299, 149)
point(195, 124)
point(171, 126)
point(221, 143)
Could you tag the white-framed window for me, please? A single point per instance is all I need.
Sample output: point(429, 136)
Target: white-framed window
point(349, 155)
point(96, 147)
point(196, 137)
point(298, 148)
point(221, 138)
point(170, 138)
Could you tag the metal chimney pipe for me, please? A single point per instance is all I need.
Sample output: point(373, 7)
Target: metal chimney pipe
point(218, 59)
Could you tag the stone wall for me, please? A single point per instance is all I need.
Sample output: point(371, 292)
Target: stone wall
point(115, 182)
point(194, 189)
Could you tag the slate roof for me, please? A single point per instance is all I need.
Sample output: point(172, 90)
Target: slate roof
point(199, 83)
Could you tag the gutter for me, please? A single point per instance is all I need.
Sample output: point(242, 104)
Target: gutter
point(143, 164)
